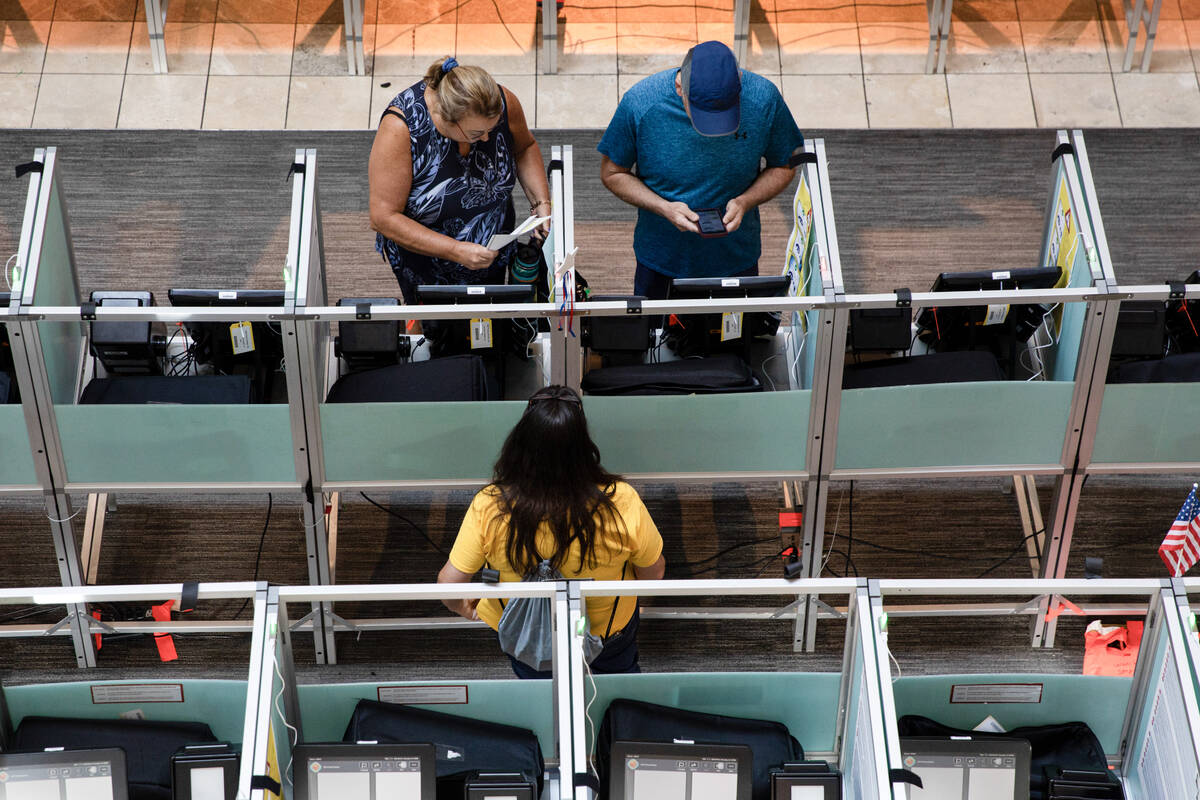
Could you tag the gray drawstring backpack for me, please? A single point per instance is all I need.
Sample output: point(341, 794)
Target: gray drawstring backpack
point(526, 626)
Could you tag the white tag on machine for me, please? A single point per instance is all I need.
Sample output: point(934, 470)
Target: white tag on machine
point(481, 334)
point(996, 315)
point(241, 335)
point(731, 325)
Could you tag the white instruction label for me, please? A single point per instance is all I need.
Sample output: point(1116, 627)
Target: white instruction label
point(996, 693)
point(1001, 275)
point(731, 325)
point(730, 283)
point(996, 315)
point(481, 333)
point(225, 295)
point(241, 334)
point(137, 693)
point(424, 695)
point(471, 290)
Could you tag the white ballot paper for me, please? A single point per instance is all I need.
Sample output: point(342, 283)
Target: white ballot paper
point(500, 239)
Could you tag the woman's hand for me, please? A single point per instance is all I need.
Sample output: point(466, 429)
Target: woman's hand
point(465, 608)
point(474, 256)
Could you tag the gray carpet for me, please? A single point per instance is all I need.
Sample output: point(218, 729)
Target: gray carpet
point(161, 209)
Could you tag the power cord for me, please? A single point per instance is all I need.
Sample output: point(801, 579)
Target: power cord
point(258, 558)
point(694, 567)
point(407, 521)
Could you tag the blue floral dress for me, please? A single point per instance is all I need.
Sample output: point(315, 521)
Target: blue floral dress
point(468, 198)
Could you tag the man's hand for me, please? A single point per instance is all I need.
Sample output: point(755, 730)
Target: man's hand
point(682, 217)
point(735, 209)
point(474, 256)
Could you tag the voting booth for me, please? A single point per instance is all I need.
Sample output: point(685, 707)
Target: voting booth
point(148, 718)
point(323, 712)
point(1141, 732)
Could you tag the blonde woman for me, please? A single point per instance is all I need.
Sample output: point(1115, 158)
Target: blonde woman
point(448, 152)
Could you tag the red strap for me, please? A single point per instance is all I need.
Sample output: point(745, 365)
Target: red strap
point(1064, 605)
point(95, 636)
point(791, 519)
point(164, 641)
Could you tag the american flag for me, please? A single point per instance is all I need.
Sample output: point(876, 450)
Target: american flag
point(1181, 547)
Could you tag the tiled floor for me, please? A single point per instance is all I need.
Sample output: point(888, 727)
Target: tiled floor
point(266, 64)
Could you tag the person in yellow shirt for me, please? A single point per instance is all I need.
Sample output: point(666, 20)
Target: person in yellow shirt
point(551, 499)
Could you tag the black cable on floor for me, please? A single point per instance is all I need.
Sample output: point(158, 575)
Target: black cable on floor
point(258, 558)
point(407, 521)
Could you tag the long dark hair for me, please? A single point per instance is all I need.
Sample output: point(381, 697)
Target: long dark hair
point(549, 472)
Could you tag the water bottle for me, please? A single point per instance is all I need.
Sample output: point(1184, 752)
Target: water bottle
point(524, 267)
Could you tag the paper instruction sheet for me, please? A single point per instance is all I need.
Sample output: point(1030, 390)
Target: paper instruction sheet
point(498, 240)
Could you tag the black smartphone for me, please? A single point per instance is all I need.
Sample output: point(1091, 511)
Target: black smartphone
point(711, 222)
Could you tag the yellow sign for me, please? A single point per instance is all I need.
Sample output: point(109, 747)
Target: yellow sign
point(1064, 234)
point(794, 265)
point(272, 761)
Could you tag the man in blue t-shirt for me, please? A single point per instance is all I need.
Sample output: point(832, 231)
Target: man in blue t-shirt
point(691, 139)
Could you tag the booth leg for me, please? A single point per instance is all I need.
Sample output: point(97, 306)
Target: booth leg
point(155, 28)
point(741, 29)
point(804, 633)
point(1134, 21)
point(1025, 491)
point(1056, 551)
point(58, 510)
point(331, 528)
point(933, 9)
point(944, 35)
point(93, 533)
point(1151, 30)
point(317, 541)
point(549, 37)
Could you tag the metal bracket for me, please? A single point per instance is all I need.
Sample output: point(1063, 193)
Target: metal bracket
point(87, 311)
point(339, 623)
point(1178, 290)
point(362, 311)
point(89, 621)
point(903, 298)
point(633, 306)
point(818, 601)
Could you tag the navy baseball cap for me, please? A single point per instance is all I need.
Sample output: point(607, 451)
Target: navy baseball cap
point(712, 85)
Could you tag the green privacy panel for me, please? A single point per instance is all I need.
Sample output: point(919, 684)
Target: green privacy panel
point(167, 443)
point(56, 287)
point(326, 708)
point(1098, 701)
point(1065, 354)
point(460, 441)
point(808, 359)
point(764, 431)
point(220, 704)
point(16, 465)
point(1140, 735)
point(806, 702)
point(414, 441)
point(1149, 423)
point(953, 424)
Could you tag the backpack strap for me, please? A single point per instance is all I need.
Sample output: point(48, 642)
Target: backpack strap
point(616, 602)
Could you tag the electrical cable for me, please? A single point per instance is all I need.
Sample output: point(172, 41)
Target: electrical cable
point(1016, 550)
point(726, 551)
point(927, 554)
point(6, 263)
point(408, 521)
point(258, 558)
